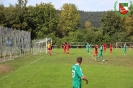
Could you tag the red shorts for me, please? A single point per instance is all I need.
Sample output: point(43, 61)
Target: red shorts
point(67, 49)
point(49, 49)
point(95, 52)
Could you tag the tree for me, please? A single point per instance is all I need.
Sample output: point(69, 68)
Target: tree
point(2, 16)
point(120, 37)
point(19, 15)
point(31, 21)
point(77, 36)
point(111, 23)
point(87, 24)
point(68, 19)
point(129, 24)
point(16, 16)
point(45, 18)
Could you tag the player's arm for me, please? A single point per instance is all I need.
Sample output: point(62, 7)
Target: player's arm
point(83, 78)
point(81, 75)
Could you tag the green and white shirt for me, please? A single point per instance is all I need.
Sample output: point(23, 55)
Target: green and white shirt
point(101, 50)
point(76, 76)
point(87, 46)
point(124, 47)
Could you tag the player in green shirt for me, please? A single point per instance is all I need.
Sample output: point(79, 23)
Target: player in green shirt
point(77, 74)
point(124, 48)
point(100, 53)
point(88, 47)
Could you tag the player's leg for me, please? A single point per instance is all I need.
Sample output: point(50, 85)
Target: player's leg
point(96, 52)
point(104, 50)
point(50, 52)
point(64, 50)
point(76, 87)
point(87, 49)
point(96, 57)
point(110, 51)
point(67, 51)
point(124, 51)
point(93, 54)
point(102, 58)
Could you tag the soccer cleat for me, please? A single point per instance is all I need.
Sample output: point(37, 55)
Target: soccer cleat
point(95, 59)
point(103, 60)
point(124, 54)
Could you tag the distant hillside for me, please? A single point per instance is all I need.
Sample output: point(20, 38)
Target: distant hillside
point(93, 17)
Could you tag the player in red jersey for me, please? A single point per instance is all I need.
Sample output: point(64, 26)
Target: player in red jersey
point(97, 47)
point(67, 48)
point(104, 47)
point(49, 47)
point(64, 47)
point(111, 47)
point(95, 51)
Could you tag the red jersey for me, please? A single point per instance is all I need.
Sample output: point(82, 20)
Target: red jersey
point(104, 45)
point(64, 46)
point(111, 46)
point(96, 50)
point(67, 46)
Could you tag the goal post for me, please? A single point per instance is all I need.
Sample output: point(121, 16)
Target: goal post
point(121, 44)
point(40, 45)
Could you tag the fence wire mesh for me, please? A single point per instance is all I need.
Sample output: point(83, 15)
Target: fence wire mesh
point(13, 43)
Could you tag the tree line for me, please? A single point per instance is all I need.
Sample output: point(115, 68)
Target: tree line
point(67, 24)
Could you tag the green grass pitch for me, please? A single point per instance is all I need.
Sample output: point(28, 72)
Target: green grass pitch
point(45, 71)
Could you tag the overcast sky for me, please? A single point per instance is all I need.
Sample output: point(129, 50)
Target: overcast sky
point(85, 5)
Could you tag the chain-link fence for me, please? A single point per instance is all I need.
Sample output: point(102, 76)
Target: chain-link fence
point(13, 43)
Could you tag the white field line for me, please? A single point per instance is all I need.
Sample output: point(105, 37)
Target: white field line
point(20, 69)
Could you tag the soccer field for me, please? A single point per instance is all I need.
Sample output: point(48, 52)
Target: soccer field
point(45, 71)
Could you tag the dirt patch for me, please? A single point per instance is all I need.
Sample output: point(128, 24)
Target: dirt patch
point(4, 68)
